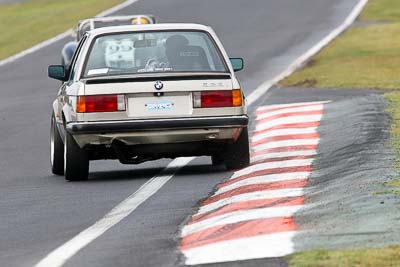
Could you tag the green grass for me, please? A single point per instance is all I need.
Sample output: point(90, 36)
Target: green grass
point(28, 23)
point(387, 257)
point(382, 10)
point(365, 56)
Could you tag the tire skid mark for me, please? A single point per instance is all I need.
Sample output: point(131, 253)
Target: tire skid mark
point(256, 206)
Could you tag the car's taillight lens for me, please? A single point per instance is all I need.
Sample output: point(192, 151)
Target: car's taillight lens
point(100, 103)
point(220, 98)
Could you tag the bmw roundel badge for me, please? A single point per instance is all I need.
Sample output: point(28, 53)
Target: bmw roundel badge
point(158, 85)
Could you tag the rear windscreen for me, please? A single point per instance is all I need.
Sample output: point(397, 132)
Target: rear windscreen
point(150, 52)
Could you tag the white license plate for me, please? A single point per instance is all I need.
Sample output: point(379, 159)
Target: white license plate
point(159, 105)
point(178, 105)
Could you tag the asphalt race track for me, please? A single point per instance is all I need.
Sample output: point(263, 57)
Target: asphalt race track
point(40, 212)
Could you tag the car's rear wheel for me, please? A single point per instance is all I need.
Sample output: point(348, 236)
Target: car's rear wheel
point(237, 154)
point(217, 159)
point(76, 160)
point(56, 149)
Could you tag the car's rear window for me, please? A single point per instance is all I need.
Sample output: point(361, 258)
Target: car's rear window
point(153, 52)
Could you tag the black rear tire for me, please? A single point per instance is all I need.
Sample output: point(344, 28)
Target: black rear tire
point(76, 160)
point(217, 159)
point(237, 155)
point(56, 149)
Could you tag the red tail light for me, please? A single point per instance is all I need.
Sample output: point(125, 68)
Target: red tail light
point(220, 98)
point(212, 99)
point(100, 103)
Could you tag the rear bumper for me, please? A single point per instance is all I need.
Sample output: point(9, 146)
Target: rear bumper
point(109, 127)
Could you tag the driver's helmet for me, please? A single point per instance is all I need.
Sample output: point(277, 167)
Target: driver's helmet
point(140, 20)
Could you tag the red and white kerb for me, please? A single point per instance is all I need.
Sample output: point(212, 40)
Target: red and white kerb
point(251, 215)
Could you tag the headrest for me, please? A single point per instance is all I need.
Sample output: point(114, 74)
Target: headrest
point(176, 41)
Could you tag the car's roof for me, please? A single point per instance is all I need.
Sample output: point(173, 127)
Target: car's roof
point(150, 27)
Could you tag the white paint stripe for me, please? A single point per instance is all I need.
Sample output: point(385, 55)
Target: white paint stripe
point(283, 155)
point(290, 105)
point(262, 246)
point(282, 132)
point(272, 165)
point(286, 143)
point(61, 36)
point(299, 62)
point(267, 194)
point(241, 216)
point(60, 255)
point(290, 110)
point(287, 120)
point(258, 180)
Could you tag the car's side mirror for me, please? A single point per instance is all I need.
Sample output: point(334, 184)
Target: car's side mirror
point(237, 64)
point(57, 72)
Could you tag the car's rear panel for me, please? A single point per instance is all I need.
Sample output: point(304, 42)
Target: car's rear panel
point(174, 100)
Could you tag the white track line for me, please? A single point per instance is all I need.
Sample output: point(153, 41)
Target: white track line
point(283, 132)
point(61, 36)
point(300, 61)
point(266, 194)
point(241, 216)
point(290, 110)
point(287, 120)
point(60, 255)
point(262, 246)
point(270, 178)
point(273, 165)
point(283, 155)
